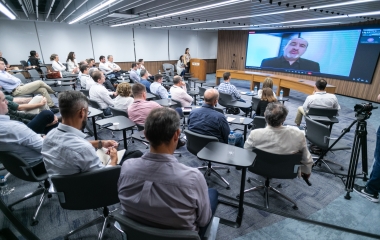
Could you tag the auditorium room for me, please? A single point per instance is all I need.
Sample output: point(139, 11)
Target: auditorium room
point(189, 119)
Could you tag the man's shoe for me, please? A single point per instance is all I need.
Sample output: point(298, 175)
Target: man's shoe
point(362, 192)
point(55, 110)
point(180, 143)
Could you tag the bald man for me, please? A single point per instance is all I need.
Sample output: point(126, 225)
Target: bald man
point(207, 121)
point(291, 59)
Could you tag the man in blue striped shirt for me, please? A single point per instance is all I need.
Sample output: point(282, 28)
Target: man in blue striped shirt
point(228, 88)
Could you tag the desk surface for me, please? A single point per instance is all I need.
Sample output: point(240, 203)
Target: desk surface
point(165, 102)
point(94, 112)
point(124, 122)
point(218, 153)
point(236, 119)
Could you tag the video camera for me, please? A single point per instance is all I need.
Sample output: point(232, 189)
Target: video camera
point(363, 110)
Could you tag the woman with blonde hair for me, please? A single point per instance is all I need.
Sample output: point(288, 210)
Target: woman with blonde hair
point(57, 65)
point(123, 99)
point(266, 97)
point(268, 83)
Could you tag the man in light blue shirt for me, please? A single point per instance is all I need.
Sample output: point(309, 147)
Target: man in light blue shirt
point(65, 150)
point(144, 79)
point(14, 85)
point(228, 88)
point(157, 88)
point(16, 137)
point(133, 75)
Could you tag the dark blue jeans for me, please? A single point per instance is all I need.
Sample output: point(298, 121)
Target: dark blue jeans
point(39, 122)
point(213, 196)
point(373, 184)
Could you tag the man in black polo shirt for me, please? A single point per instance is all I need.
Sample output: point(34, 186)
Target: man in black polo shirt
point(291, 59)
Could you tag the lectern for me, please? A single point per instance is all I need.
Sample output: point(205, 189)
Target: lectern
point(198, 68)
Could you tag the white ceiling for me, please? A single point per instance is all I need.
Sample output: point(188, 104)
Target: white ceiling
point(239, 12)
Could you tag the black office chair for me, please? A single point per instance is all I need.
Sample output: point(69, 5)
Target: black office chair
point(330, 114)
point(202, 91)
point(21, 169)
point(226, 100)
point(157, 97)
point(259, 122)
point(85, 92)
point(319, 135)
point(89, 190)
point(17, 224)
point(277, 166)
point(137, 231)
point(119, 112)
point(24, 63)
point(195, 143)
point(96, 105)
point(254, 103)
point(34, 75)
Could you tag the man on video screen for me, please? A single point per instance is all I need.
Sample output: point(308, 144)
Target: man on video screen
point(291, 59)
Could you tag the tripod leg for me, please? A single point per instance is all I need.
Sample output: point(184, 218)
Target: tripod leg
point(364, 152)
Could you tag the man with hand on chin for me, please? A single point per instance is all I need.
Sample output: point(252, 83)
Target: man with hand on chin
point(65, 150)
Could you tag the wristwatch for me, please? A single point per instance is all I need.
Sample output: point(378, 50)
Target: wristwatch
point(100, 144)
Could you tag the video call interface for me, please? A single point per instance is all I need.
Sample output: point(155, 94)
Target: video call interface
point(350, 55)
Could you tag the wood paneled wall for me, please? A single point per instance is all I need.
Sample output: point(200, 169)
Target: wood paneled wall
point(235, 42)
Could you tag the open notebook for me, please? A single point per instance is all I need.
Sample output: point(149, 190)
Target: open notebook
point(106, 158)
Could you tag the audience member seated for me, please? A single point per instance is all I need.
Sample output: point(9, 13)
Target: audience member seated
point(278, 139)
point(57, 65)
point(180, 66)
point(100, 94)
point(31, 105)
point(103, 66)
point(179, 94)
point(123, 99)
point(72, 65)
point(157, 88)
point(158, 191)
point(91, 63)
point(144, 80)
point(138, 68)
point(34, 61)
point(65, 150)
point(319, 99)
point(268, 83)
point(14, 85)
point(4, 60)
point(107, 83)
point(80, 64)
point(228, 88)
point(85, 78)
point(140, 108)
point(142, 67)
point(266, 97)
point(114, 67)
point(133, 76)
point(207, 121)
point(41, 122)
point(17, 138)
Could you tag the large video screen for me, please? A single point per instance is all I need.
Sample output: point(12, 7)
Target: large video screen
point(350, 54)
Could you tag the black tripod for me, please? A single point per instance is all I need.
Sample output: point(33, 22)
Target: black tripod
point(359, 145)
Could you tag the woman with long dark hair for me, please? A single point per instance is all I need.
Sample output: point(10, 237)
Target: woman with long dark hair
point(186, 60)
point(72, 65)
point(180, 66)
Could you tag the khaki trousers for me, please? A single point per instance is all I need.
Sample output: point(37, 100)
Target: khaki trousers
point(36, 87)
point(300, 114)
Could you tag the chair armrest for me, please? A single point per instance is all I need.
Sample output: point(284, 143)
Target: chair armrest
point(329, 138)
point(210, 233)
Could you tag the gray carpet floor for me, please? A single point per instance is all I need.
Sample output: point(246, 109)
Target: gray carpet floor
point(323, 201)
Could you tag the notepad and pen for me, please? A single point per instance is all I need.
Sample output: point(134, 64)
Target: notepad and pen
point(106, 159)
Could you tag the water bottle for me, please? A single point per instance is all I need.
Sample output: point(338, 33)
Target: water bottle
point(5, 190)
point(231, 143)
point(200, 103)
point(281, 94)
point(170, 98)
point(255, 90)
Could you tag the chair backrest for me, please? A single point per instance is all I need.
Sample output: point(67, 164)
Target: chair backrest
point(44, 70)
point(317, 133)
point(156, 96)
point(225, 99)
point(118, 112)
point(328, 112)
point(34, 75)
point(281, 166)
point(259, 122)
point(202, 91)
point(19, 168)
point(88, 190)
point(169, 69)
point(178, 104)
point(219, 110)
point(196, 141)
point(140, 127)
point(85, 92)
point(188, 87)
point(255, 102)
point(24, 63)
point(21, 77)
point(94, 104)
point(137, 231)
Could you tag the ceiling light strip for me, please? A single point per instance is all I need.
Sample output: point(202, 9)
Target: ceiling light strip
point(342, 4)
point(51, 7)
point(101, 6)
point(64, 8)
point(74, 10)
point(6, 11)
point(37, 10)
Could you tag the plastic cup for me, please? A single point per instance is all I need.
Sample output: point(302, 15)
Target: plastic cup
point(116, 125)
point(241, 120)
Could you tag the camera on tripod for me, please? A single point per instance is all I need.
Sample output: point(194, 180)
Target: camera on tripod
point(363, 110)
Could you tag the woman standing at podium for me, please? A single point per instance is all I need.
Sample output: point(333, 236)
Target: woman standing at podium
point(186, 60)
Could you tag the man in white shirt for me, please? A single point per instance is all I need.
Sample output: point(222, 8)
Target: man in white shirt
point(100, 94)
point(133, 74)
point(114, 67)
point(179, 94)
point(157, 88)
point(278, 139)
point(84, 78)
point(319, 99)
point(103, 66)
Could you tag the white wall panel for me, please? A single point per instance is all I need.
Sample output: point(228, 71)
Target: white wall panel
point(207, 45)
point(62, 38)
point(18, 38)
point(117, 42)
point(180, 40)
point(151, 44)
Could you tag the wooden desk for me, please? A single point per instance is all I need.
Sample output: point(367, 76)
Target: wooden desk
point(283, 82)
